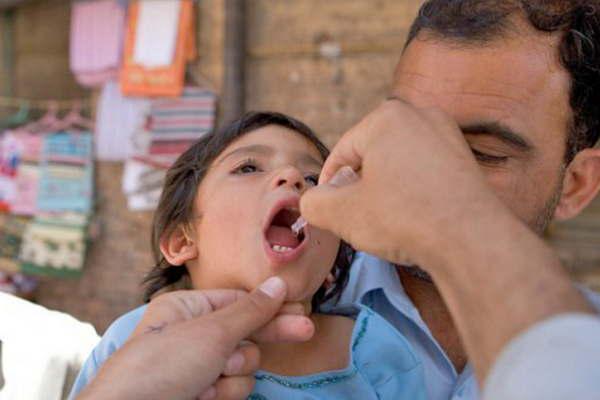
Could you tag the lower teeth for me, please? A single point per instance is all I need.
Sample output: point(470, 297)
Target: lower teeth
point(281, 249)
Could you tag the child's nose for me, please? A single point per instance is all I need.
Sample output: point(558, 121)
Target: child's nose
point(291, 178)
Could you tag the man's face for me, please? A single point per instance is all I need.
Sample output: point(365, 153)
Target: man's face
point(511, 99)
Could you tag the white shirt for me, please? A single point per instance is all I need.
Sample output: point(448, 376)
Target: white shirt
point(42, 350)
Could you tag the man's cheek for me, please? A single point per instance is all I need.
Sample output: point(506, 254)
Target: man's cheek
point(502, 182)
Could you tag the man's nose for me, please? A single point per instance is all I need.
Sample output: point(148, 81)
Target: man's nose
point(290, 177)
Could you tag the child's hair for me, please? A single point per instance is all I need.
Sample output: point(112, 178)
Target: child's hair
point(182, 180)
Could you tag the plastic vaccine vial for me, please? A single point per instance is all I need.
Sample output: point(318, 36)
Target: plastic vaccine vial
point(298, 225)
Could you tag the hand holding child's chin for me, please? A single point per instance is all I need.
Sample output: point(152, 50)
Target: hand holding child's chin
point(211, 327)
point(290, 324)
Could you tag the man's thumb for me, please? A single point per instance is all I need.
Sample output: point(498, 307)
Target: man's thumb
point(329, 205)
point(253, 311)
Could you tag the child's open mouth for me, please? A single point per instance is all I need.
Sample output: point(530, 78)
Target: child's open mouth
point(283, 245)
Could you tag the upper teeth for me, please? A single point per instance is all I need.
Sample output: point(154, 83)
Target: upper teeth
point(281, 249)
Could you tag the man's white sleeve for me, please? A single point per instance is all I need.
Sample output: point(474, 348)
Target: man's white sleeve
point(555, 359)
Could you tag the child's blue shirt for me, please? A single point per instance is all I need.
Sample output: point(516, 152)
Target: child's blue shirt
point(382, 365)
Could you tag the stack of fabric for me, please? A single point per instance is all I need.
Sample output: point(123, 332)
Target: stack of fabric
point(47, 192)
point(171, 127)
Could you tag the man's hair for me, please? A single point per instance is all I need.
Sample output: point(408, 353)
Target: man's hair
point(176, 205)
point(478, 22)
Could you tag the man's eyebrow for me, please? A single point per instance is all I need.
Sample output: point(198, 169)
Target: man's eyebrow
point(259, 149)
point(501, 132)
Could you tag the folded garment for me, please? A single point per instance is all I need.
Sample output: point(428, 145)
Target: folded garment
point(117, 121)
point(54, 245)
point(66, 173)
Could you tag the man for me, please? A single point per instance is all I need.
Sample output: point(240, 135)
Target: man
point(496, 69)
point(529, 114)
point(521, 79)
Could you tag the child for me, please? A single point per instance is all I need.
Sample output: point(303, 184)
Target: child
point(224, 221)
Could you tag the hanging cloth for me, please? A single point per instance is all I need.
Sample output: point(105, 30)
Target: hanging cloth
point(145, 74)
point(117, 120)
point(97, 29)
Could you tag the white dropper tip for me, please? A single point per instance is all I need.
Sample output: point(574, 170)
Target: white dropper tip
point(299, 225)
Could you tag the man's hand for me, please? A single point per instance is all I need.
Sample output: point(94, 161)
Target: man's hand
point(415, 175)
point(419, 197)
point(189, 345)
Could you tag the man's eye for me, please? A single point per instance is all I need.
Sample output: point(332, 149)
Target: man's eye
point(312, 180)
point(488, 158)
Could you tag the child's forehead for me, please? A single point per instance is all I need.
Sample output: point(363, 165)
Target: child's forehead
point(272, 140)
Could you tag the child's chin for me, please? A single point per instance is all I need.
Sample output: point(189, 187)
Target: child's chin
point(298, 293)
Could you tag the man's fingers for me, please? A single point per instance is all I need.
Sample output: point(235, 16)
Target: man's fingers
point(347, 152)
point(244, 361)
point(295, 308)
point(344, 154)
point(332, 207)
point(183, 305)
point(200, 302)
point(239, 320)
point(234, 387)
point(285, 328)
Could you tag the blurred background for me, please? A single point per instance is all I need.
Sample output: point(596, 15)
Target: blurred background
point(97, 97)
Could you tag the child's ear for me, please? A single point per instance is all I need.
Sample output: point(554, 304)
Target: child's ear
point(178, 247)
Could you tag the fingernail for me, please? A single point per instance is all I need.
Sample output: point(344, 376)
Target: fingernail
point(234, 364)
point(344, 176)
point(273, 287)
point(209, 393)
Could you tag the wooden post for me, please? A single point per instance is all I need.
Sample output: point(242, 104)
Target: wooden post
point(8, 52)
point(233, 96)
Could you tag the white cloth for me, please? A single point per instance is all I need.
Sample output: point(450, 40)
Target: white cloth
point(118, 119)
point(42, 350)
point(156, 33)
point(555, 359)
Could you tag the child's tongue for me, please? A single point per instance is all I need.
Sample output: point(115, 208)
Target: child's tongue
point(282, 236)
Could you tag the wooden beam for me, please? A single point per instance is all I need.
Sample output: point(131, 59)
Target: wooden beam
point(233, 96)
point(8, 53)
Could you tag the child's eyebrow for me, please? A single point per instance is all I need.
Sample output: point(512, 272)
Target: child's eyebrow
point(260, 149)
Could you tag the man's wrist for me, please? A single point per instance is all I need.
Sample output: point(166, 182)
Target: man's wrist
point(524, 269)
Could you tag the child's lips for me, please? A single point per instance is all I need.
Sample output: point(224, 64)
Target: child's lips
point(280, 255)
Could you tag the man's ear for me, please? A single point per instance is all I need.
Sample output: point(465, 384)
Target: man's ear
point(581, 184)
point(178, 247)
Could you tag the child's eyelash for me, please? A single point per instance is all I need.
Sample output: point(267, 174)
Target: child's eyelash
point(249, 162)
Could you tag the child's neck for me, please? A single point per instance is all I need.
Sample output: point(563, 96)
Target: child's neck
point(327, 350)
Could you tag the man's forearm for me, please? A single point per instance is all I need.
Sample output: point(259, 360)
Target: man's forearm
point(497, 281)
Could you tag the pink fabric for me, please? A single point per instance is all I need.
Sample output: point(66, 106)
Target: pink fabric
point(93, 79)
point(27, 182)
point(97, 29)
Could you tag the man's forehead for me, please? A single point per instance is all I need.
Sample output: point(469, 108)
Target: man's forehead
point(518, 65)
point(510, 79)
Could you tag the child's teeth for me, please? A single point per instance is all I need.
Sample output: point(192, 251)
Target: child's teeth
point(281, 249)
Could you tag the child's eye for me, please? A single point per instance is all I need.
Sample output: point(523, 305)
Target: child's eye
point(312, 180)
point(248, 167)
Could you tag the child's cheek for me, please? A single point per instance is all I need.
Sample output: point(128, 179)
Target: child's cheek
point(229, 216)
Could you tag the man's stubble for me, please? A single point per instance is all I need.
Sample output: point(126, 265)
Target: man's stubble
point(538, 224)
